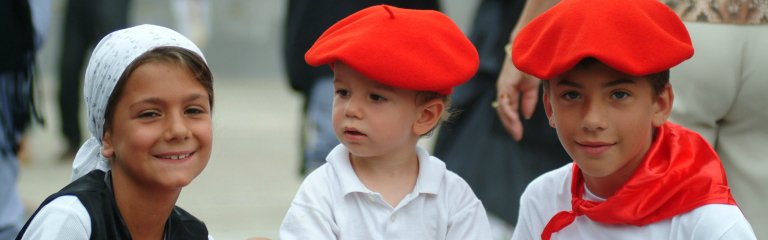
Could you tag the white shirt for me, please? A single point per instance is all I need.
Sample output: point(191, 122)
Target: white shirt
point(63, 218)
point(332, 203)
point(550, 193)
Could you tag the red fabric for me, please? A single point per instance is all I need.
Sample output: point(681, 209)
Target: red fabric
point(637, 37)
point(679, 173)
point(419, 50)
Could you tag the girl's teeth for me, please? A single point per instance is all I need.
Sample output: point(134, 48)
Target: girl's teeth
point(177, 157)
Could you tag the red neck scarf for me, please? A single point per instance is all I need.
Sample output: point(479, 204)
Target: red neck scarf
point(679, 173)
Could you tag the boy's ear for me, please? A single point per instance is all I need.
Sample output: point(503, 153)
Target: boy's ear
point(107, 149)
point(662, 107)
point(428, 116)
point(548, 108)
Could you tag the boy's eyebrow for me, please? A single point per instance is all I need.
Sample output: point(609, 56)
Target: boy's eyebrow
point(566, 82)
point(619, 82)
point(569, 83)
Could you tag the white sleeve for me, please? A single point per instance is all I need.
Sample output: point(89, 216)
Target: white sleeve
point(523, 229)
point(63, 218)
point(720, 221)
point(470, 221)
point(310, 214)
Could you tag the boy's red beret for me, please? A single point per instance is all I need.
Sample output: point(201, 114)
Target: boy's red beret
point(420, 50)
point(637, 37)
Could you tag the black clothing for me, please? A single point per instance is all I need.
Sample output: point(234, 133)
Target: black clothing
point(87, 21)
point(308, 19)
point(94, 191)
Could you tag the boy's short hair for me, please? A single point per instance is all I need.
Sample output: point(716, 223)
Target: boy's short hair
point(636, 37)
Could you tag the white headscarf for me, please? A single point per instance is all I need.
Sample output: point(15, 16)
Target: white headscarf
point(109, 60)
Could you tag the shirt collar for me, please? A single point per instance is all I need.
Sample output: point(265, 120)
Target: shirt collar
point(431, 172)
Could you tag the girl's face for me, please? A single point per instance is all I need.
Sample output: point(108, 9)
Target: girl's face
point(161, 132)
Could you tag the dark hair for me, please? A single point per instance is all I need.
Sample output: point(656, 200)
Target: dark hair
point(657, 80)
point(426, 96)
point(167, 54)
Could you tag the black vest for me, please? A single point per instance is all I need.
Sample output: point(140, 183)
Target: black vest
point(95, 194)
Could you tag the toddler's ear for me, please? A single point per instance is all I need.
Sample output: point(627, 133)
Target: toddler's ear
point(662, 107)
point(107, 149)
point(428, 116)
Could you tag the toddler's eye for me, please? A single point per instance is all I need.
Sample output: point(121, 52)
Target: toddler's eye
point(377, 98)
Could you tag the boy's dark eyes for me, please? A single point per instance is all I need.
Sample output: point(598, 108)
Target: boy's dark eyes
point(571, 95)
point(619, 95)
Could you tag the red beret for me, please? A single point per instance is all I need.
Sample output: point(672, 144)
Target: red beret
point(637, 37)
point(420, 50)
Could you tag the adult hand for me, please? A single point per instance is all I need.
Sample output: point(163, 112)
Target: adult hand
point(516, 92)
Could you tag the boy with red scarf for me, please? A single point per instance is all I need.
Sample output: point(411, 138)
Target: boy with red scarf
point(635, 175)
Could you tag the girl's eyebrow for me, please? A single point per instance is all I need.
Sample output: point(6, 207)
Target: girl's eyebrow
point(158, 101)
point(194, 96)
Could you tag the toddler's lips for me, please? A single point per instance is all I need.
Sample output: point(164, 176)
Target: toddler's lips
point(352, 134)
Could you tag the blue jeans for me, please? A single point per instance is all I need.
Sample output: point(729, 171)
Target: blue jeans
point(319, 138)
point(11, 208)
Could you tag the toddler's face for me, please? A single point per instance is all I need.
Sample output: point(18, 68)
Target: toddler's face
point(605, 119)
point(370, 118)
point(161, 133)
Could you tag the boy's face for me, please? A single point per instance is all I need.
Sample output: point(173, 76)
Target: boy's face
point(161, 133)
point(373, 119)
point(605, 119)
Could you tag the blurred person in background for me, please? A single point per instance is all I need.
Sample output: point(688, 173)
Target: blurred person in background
point(24, 24)
point(87, 21)
point(305, 21)
point(193, 19)
point(474, 144)
point(720, 93)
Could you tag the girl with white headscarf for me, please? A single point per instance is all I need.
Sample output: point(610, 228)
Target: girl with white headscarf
point(149, 96)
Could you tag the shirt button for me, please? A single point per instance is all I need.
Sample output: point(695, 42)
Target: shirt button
point(371, 197)
point(392, 218)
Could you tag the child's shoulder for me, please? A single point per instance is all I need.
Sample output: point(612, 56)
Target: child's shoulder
point(557, 180)
point(447, 183)
point(723, 220)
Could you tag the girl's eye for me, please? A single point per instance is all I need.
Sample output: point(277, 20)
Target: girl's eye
point(194, 110)
point(377, 98)
point(342, 92)
point(149, 114)
point(571, 95)
point(618, 95)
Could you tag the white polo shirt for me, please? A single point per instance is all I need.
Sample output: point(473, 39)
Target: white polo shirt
point(550, 193)
point(332, 203)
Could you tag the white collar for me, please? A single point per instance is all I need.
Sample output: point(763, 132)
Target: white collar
point(431, 172)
